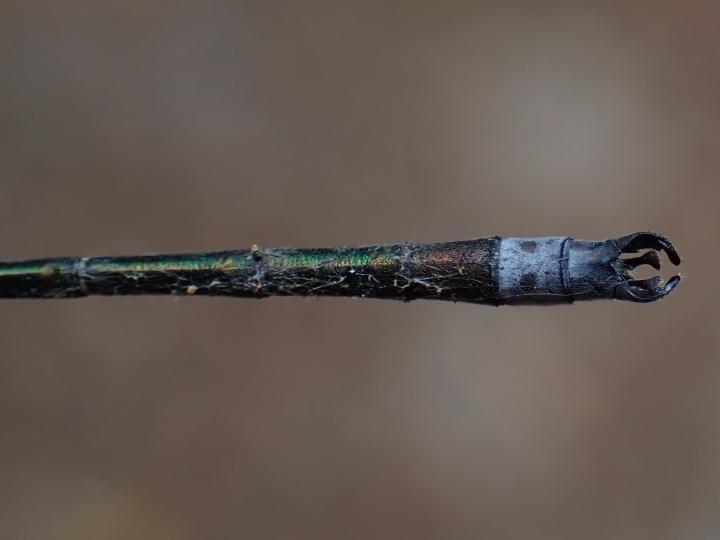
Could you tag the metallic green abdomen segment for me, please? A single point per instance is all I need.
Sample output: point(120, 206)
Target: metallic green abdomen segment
point(43, 278)
point(448, 271)
point(452, 270)
point(165, 274)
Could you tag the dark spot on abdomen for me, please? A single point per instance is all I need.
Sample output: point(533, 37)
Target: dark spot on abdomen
point(529, 246)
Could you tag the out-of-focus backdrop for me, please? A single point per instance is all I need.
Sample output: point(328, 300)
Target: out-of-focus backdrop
point(145, 127)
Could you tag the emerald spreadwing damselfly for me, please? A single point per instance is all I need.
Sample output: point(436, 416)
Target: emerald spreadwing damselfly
point(491, 270)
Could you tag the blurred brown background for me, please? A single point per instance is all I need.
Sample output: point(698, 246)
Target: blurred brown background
point(130, 126)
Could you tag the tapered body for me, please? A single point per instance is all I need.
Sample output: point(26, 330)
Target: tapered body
point(489, 270)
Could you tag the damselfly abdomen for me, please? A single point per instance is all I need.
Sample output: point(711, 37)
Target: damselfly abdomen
point(493, 270)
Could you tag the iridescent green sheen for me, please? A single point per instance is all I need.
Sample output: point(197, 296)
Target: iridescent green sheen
point(401, 271)
point(487, 270)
